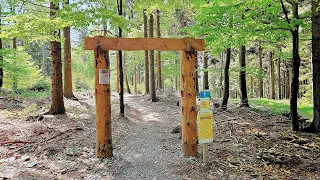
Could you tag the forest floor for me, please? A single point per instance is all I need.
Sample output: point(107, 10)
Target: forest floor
point(248, 144)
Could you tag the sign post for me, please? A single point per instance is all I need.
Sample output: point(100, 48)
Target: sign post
point(204, 123)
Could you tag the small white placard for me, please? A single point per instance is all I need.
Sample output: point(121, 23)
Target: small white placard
point(104, 76)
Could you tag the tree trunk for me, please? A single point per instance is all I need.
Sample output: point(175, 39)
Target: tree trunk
point(125, 72)
point(205, 72)
point(67, 62)
point(243, 84)
point(279, 78)
point(118, 72)
point(135, 79)
point(271, 71)
point(121, 65)
point(251, 86)
point(221, 76)
point(295, 71)
point(158, 52)
point(146, 61)
point(225, 98)
point(261, 70)
point(15, 81)
point(316, 65)
point(287, 81)
point(151, 68)
point(57, 104)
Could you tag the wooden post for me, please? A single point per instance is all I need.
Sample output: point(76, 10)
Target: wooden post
point(205, 153)
point(103, 106)
point(188, 103)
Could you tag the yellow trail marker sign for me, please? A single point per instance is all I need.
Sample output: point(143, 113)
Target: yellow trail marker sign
point(205, 127)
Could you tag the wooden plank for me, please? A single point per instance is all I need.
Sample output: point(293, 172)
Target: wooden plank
point(103, 107)
point(188, 103)
point(135, 44)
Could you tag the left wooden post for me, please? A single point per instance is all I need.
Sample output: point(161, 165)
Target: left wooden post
point(103, 105)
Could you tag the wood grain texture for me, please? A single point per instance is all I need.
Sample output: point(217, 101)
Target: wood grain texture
point(188, 103)
point(103, 107)
point(135, 44)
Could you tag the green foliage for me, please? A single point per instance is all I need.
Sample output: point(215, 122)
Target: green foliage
point(82, 69)
point(19, 69)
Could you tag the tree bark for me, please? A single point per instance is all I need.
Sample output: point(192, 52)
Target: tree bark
point(205, 72)
point(125, 72)
point(295, 71)
point(261, 70)
point(279, 79)
point(151, 68)
point(135, 79)
point(68, 93)
point(287, 81)
point(243, 83)
point(146, 56)
point(221, 76)
point(118, 72)
point(316, 64)
point(158, 52)
point(120, 64)
point(271, 73)
point(57, 104)
point(225, 98)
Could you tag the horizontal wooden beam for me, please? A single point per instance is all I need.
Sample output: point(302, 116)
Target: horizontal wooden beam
point(135, 44)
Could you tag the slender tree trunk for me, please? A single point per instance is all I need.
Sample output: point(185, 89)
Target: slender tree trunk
point(243, 84)
point(225, 98)
point(125, 72)
point(158, 52)
point(295, 71)
point(316, 65)
point(146, 60)
point(67, 62)
point(57, 104)
point(287, 81)
point(118, 72)
point(271, 71)
point(261, 70)
point(205, 72)
point(221, 76)
point(135, 79)
point(152, 87)
point(15, 81)
point(251, 86)
point(279, 79)
point(120, 64)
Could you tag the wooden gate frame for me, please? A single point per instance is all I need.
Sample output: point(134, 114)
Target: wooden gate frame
point(187, 46)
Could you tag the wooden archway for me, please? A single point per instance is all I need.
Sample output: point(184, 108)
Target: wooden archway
point(188, 48)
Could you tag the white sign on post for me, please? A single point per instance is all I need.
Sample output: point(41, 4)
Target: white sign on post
point(104, 76)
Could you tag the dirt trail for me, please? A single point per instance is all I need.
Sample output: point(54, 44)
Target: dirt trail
point(146, 148)
point(248, 144)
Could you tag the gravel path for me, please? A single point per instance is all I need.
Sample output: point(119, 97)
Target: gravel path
point(146, 149)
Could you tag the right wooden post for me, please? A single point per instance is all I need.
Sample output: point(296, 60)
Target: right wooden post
point(188, 103)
